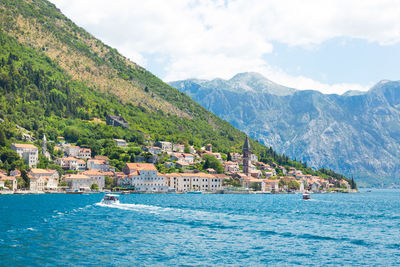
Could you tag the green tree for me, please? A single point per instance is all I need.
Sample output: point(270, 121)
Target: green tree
point(256, 186)
point(293, 185)
point(25, 178)
point(109, 182)
point(229, 157)
point(2, 138)
point(94, 187)
point(212, 162)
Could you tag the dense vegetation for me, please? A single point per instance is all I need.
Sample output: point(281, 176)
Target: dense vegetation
point(42, 94)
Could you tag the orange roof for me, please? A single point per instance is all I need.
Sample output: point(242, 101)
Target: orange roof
point(42, 171)
point(76, 176)
point(141, 166)
point(97, 172)
point(25, 146)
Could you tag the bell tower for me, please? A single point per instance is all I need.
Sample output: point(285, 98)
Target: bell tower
point(246, 156)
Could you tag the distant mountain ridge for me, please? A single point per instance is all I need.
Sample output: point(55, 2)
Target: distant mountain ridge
point(245, 82)
point(357, 133)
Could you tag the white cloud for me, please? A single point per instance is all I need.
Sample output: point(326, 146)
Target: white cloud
point(207, 39)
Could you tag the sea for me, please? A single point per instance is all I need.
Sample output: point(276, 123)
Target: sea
point(361, 229)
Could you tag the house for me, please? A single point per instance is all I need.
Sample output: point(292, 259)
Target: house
point(253, 158)
point(98, 177)
point(80, 165)
point(72, 151)
point(185, 182)
point(121, 142)
point(211, 170)
point(12, 181)
point(315, 187)
point(117, 121)
point(182, 164)
point(28, 152)
point(85, 153)
point(50, 177)
point(98, 163)
point(256, 174)
point(165, 146)
point(270, 185)
point(154, 150)
point(236, 157)
point(283, 170)
point(231, 166)
point(78, 182)
point(69, 163)
point(249, 182)
point(189, 158)
point(178, 148)
point(143, 177)
point(37, 184)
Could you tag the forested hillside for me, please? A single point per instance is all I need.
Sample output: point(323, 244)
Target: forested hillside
point(58, 80)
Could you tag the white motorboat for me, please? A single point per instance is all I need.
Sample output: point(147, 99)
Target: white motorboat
point(306, 196)
point(110, 199)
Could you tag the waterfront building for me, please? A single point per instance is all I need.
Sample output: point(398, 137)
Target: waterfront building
point(143, 177)
point(98, 177)
point(78, 182)
point(50, 178)
point(185, 182)
point(28, 152)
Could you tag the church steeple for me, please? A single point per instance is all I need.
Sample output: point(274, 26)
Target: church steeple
point(246, 156)
point(44, 145)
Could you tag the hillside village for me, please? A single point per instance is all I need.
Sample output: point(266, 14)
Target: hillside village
point(159, 167)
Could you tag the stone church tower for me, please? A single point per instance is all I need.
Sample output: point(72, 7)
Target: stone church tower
point(246, 156)
point(44, 148)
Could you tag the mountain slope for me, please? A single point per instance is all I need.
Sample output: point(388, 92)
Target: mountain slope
point(355, 133)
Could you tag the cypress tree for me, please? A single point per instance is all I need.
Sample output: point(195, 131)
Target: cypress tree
point(2, 138)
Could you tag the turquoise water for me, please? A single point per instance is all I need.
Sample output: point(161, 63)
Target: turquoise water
point(170, 229)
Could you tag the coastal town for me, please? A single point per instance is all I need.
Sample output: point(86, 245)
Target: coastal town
point(159, 167)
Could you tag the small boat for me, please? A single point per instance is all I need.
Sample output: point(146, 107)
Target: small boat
point(125, 193)
point(195, 192)
point(75, 192)
point(306, 196)
point(110, 199)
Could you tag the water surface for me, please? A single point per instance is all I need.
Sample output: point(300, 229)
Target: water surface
point(177, 229)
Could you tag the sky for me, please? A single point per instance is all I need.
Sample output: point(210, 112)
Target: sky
point(329, 46)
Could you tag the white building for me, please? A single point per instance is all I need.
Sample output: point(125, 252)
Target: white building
point(78, 182)
point(28, 152)
point(50, 177)
point(185, 182)
point(37, 184)
point(165, 146)
point(144, 177)
point(72, 151)
point(98, 177)
point(98, 164)
point(85, 153)
point(178, 148)
point(121, 142)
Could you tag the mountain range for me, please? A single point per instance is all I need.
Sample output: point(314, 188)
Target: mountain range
point(357, 133)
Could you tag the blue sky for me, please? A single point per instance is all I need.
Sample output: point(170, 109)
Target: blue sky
point(339, 60)
point(331, 46)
